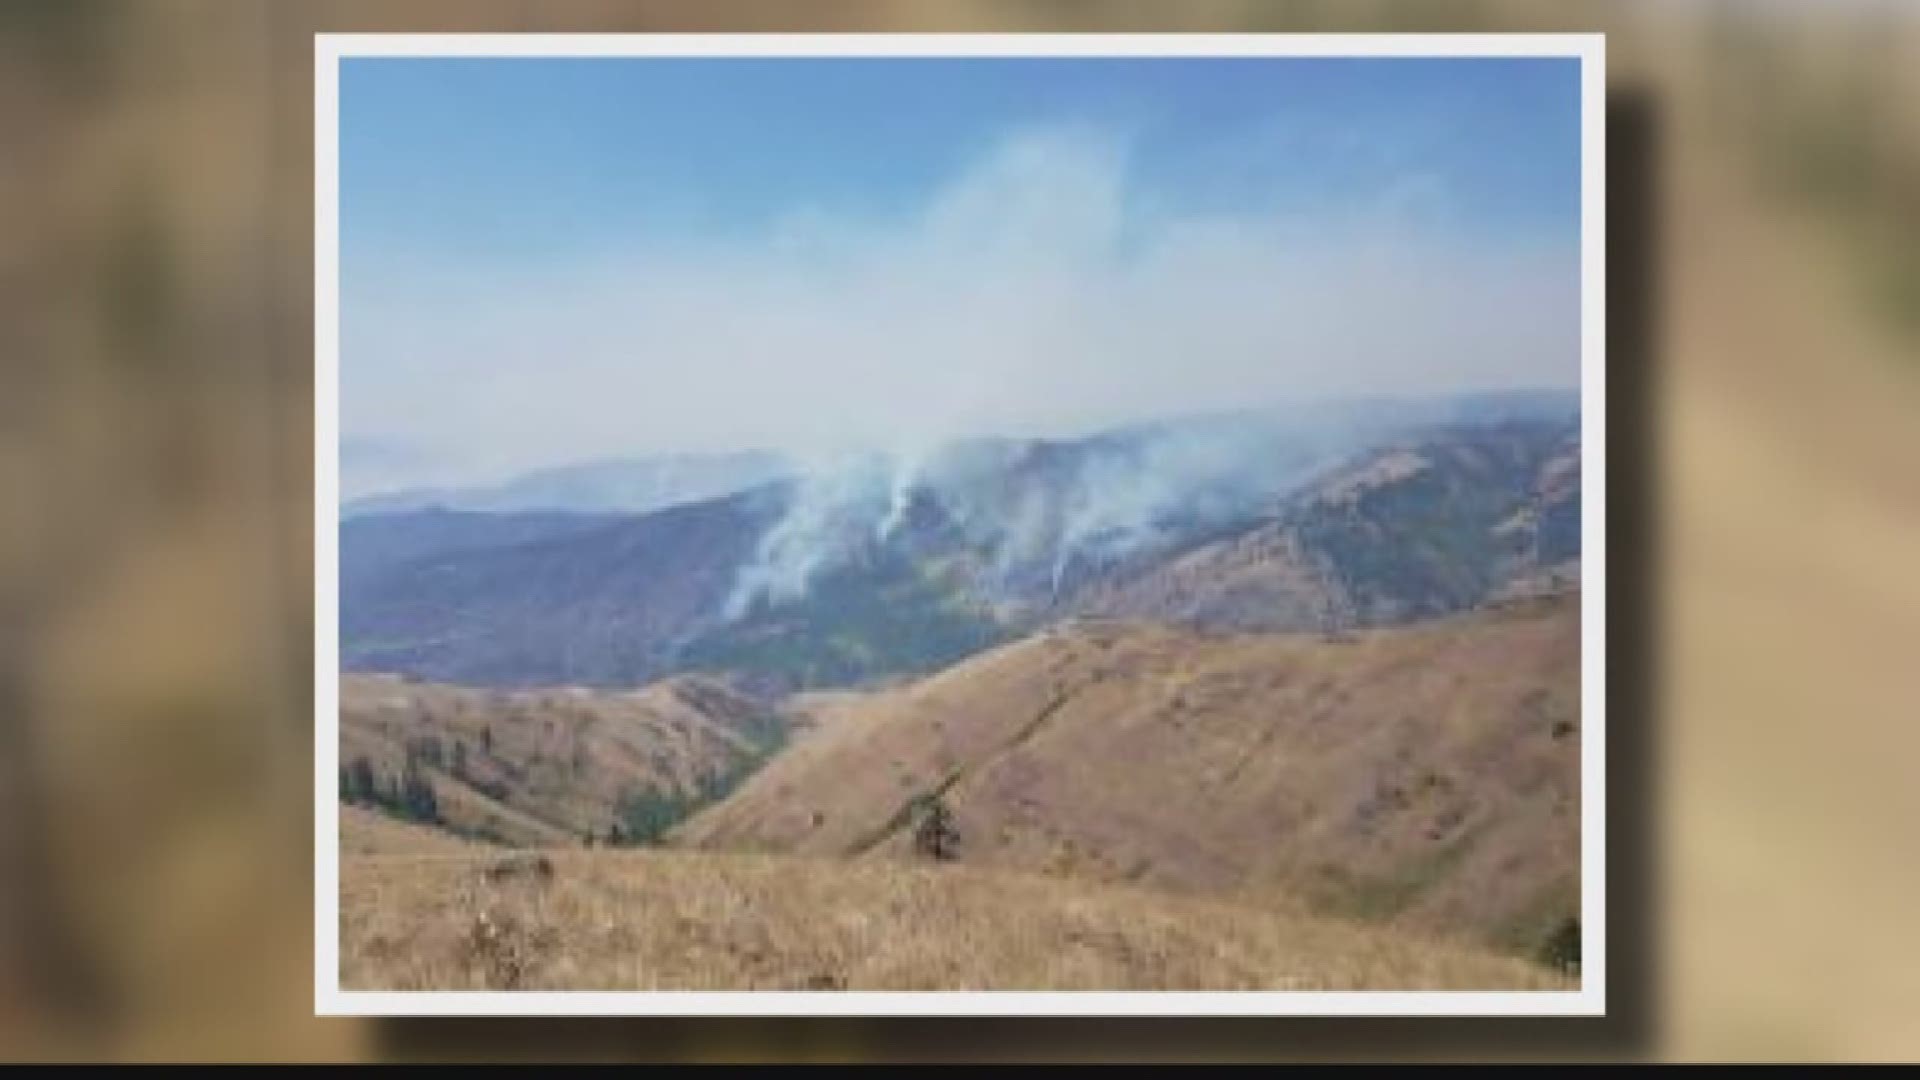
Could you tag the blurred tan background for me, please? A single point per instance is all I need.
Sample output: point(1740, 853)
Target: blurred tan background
point(155, 558)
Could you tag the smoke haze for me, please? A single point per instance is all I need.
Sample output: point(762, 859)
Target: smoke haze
point(1026, 298)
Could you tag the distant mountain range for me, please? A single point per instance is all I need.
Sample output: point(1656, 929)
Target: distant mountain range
point(1356, 514)
point(629, 485)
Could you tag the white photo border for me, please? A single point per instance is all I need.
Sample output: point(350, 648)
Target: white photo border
point(1589, 999)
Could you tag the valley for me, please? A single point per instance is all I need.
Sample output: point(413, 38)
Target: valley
point(880, 568)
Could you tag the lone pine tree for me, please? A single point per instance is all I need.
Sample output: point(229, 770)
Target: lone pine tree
point(936, 837)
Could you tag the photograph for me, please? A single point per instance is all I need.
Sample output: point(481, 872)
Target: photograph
point(959, 524)
point(959, 531)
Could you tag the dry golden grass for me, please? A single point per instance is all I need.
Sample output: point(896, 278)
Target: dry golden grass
point(1427, 775)
point(369, 832)
point(657, 920)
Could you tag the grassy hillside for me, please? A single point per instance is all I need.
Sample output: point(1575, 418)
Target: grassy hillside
point(1416, 529)
point(554, 766)
point(1425, 775)
point(370, 832)
point(681, 921)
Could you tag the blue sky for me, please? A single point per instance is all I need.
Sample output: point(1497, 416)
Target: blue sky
point(549, 237)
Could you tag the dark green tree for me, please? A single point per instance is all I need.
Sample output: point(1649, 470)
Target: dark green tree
point(417, 799)
point(358, 785)
point(647, 813)
point(936, 836)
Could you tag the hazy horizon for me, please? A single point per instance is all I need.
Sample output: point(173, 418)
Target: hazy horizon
point(554, 262)
point(805, 457)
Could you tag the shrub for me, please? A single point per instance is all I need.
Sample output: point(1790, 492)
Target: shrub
point(1561, 949)
point(936, 837)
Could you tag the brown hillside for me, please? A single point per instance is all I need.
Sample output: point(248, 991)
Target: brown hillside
point(546, 767)
point(623, 920)
point(369, 832)
point(1424, 774)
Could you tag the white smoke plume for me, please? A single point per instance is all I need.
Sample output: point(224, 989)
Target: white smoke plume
point(1042, 511)
point(829, 514)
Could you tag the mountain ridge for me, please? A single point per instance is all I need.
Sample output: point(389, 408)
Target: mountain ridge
point(612, 485)
point(874, 578)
